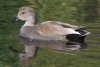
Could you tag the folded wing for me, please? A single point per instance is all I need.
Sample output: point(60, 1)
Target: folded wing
point(56, 28)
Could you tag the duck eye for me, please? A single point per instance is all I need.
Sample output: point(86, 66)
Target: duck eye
point(23, 12)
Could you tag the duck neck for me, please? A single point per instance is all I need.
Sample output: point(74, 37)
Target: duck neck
point(30, 22)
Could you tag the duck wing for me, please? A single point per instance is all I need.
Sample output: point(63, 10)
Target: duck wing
point(55, 29)
point(80, 29)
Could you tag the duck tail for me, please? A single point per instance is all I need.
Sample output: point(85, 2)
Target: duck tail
point(82, 31)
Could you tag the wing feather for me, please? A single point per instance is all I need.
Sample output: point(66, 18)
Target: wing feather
point(52, 29)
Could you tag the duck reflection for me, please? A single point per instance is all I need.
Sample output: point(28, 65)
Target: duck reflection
point(53, 44)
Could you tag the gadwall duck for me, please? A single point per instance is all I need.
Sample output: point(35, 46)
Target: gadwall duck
point(50, 31)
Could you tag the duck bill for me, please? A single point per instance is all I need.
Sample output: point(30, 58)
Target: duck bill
point(15, 19)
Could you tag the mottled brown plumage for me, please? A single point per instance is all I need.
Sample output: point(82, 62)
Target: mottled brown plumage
point(48, 34)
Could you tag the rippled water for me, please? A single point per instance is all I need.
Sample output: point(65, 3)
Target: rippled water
point(51, 44)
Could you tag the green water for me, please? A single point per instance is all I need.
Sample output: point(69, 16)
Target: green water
point(60, 10)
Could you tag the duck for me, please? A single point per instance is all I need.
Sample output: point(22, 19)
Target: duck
point(46, 31)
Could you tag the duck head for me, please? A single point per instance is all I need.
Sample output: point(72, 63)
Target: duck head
point(25, 14)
